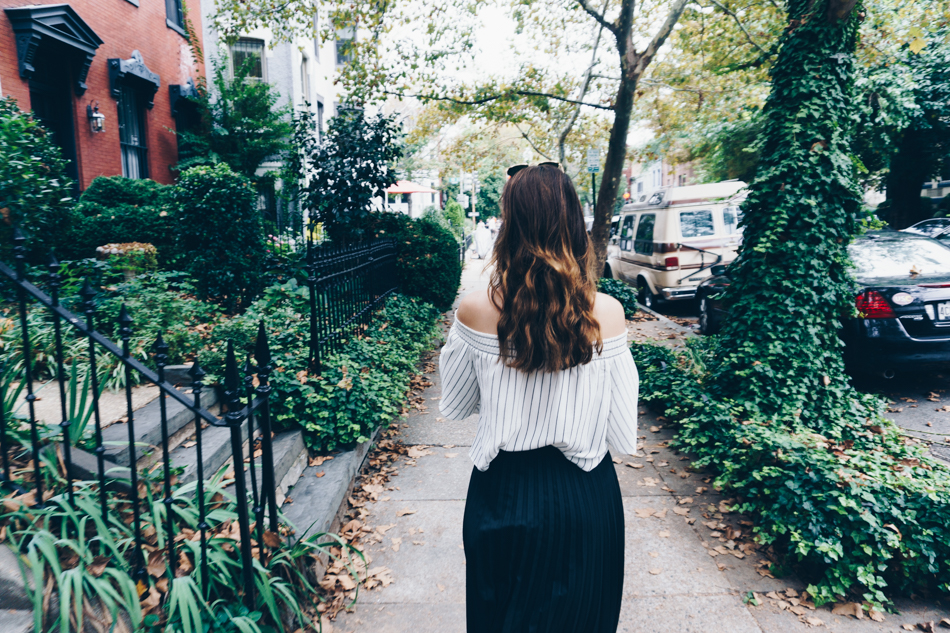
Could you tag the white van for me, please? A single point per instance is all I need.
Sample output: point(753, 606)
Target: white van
point(667, 244)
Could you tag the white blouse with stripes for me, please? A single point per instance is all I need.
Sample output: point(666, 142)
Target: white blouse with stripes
point(578, 410)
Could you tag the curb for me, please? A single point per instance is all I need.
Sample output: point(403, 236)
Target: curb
point(667, 321)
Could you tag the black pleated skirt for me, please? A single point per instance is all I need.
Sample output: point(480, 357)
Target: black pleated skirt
point(543, 546)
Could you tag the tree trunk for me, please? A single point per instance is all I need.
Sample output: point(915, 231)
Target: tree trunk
point(613, 167)
point(780, 353)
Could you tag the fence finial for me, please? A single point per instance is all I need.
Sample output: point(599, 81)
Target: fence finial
point(125, 325)
point(196, 372)
point(87, 292)
point(261, 347)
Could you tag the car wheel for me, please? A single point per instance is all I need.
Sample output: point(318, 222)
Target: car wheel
point(707, 323)
point(646, 298)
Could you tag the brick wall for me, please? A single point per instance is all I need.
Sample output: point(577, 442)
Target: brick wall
point(123, 27)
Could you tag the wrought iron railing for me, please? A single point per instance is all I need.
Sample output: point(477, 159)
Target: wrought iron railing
point(263, 493)
point(346, 285)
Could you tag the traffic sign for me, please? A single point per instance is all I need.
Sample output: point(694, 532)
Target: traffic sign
point(593, 161)
point(462, 200)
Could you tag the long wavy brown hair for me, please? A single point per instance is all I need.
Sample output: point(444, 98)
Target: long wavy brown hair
point(543, 283)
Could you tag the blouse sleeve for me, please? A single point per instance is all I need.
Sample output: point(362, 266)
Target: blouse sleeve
point(624, 391)
point(460, 394)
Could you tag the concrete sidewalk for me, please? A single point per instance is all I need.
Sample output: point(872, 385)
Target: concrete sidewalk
point(688, 561)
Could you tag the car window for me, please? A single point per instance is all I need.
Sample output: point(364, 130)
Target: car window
point(930, 228)
point(626, 234)
point(696, 223)
point(731, 216)
point(644, 242)
point(899, 258)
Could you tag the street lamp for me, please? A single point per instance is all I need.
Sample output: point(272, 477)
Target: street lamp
point(97, 120)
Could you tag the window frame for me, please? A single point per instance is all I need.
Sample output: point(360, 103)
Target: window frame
point(626, 241)
point(641, 242)
point(712, 223)
point(245, 41)
point(128, 147)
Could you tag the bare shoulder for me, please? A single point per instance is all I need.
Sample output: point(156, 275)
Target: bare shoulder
point(477, 311)
point(609, 313)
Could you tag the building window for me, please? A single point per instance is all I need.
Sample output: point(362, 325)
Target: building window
point(174, 16)
point(132, 133)
point(320, 118)
point(250, 52)
point(305, 79)
point(639, 186)
point(344, 45)
point(682, 180)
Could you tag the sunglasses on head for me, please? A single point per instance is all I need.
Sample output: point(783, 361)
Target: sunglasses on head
point(514, 169)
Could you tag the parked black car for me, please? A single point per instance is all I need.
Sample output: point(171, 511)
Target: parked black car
point(937, 228)
point(903, 304)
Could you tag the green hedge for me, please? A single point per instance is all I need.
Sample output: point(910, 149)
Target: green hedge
point(220, 234)
point(862, 515)
point(361, 388)
point(114, 209)
point(428, 263)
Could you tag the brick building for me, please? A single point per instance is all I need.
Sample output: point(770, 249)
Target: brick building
point(131, 59)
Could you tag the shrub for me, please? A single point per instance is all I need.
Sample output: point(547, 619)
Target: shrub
point(358, 389)
point(114, 209)
point(428, 257)
point(220, 234)
point(34, 191)
point(622, 292)
point(862, 513)
point(455, 213)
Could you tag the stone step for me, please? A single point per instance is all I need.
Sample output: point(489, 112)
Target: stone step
point(317, 501)
point(290, 460)
point(148, 429)
point(215, 451)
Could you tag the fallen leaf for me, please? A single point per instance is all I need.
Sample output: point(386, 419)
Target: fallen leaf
point(654, 429)
point(644, 513)
point(815, 621)
point(397, 541)
point(853, 609)
point(98, 566)
point(908, 627)
point(318, 461)
point(156, 564)
point(877, 616)
point(634, 465)
point(404, 512)
point(944, 623)
point(451, 454)
point(798, 610)
point(616, 460)
point(664, 534)
point(653, 554)
point(271, 539)
point(319, 474)
point(685, 500)
point(416, 452)
point(441, 587)
point(681, 511)
point(656, 572)
point(660, 514)
point(929, 627)
point(188, 444)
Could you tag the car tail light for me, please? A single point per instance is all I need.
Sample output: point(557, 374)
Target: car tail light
point(672, 263)
point(871, 304)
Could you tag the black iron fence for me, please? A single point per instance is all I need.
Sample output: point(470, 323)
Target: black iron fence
point(346, 285)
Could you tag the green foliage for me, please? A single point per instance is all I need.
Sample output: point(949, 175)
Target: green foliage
point(240, 124)
point(359, 388)
point(858, 510)
point(622, 292)
point(454, 213)
point(427, 257)
point(220, 234)
point(730, 149)
point(338, 177)
point(34, 191)
point(790, 281)
point(114, 209)
point(86, 560)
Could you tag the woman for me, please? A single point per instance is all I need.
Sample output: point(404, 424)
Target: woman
point(543, 359)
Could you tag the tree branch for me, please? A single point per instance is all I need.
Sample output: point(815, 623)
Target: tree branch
point(659, 39)
point(738, 22)
point(483, 100)
point(530, 142)
point(597, 16)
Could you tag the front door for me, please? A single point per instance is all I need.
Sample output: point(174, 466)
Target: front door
point(52, 103)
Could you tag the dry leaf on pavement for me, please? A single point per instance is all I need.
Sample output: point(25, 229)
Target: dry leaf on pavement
point(634, 465)
point(853, 609)
point(664, 534)
point(397, 541)
point(876, 615)
point(815, 621)
point(656, 572)
point(404, 512)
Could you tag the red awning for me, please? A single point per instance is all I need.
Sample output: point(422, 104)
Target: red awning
point(405, 186)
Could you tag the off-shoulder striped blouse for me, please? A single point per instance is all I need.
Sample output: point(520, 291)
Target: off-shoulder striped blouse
point(578, 410)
